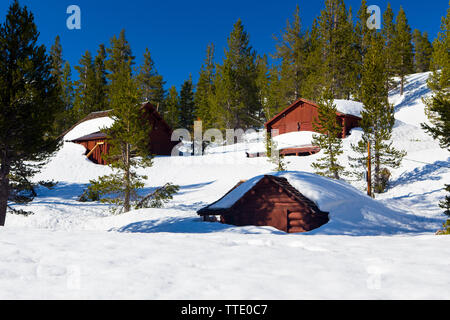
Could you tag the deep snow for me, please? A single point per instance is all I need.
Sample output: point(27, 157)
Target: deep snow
point(382, 248)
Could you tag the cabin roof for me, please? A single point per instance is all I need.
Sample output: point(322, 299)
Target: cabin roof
point(339, 104)
point(229, 200)
point(93, 136)
point(102, 114)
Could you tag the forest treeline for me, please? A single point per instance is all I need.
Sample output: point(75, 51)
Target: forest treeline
point(246, 88)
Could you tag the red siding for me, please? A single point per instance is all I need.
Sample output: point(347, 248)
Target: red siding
point(97, 155)
point(301, 115)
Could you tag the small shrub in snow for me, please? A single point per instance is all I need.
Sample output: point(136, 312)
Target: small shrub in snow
point(158, 198)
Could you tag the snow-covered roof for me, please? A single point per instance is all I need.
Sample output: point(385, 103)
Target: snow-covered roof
point(88, 127)
point(350, 107)
point(295, 139)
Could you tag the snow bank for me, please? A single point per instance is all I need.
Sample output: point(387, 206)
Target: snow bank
point(88, 127)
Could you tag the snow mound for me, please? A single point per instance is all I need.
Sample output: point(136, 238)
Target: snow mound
point(351, 107)
point(88, 127)
point(351, 212)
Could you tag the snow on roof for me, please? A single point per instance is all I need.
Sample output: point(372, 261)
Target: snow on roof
point(289, 140)
point(295, 139)
point(350, 107)
point(88, 127)
point(351, 211)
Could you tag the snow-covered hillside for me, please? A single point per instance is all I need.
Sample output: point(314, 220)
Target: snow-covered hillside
point(382, 248)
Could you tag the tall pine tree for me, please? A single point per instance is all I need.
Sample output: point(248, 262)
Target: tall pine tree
point(205, 90)
point(29, 100)
point(389, 33)
point(85, 87)
point(151, 83)
point(377, 119)
point(422, 51)
point(172, 105)
point(128, 136)
point(187, 106)
point(59, 72)
point(101, 83)
point(403, 49)
point(329, 141)
point(236, 92)
point(291, 53)
point(339, 50)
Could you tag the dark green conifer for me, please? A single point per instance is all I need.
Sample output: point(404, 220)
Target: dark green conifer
point(29, 100)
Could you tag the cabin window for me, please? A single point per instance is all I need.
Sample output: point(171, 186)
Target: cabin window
point(299, 126)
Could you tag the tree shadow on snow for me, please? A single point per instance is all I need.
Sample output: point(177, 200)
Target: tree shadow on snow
point(426, 173)
point(413, 90)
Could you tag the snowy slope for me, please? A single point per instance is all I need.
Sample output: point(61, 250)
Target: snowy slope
point(79, 250)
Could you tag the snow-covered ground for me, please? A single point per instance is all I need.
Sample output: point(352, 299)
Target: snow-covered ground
point(382, 249)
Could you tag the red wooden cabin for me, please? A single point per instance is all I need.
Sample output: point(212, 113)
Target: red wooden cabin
point(272, 201)
point(160, 143)
point(301, 115)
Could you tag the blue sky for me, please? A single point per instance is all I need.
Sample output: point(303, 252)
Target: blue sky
point(177, 32)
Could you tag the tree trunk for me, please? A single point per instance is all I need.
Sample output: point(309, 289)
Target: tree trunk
point(126, 203)
point(402, 85)
point(4, 192)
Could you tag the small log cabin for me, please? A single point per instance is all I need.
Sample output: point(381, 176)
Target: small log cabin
point(271, 201)
point(301, 115)
point(160, 143)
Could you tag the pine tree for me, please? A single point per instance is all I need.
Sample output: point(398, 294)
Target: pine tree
point(263, 82)
point(339, 50)
point(62, 117)
point(389, 33)
point(315, 68)
point(422, 51)
point(85, 87)
point(291, 52)
point(274, 104)
point(29, 100)
point(329, 141)
point(187, 105)
point(151, 83)
point(377, 119)
point(172, 104)
point(439, 104)
point(362, 40)
point(236, 96)
point(403, 49)
point(57, 59)
point(128, 136)
point(101, 83)
point(205, 90)
point(67, 117)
